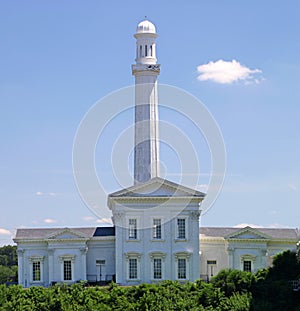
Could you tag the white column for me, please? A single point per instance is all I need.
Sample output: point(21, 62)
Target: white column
point(119, 218)
point(264, 263)
point(50, 265)
point(230, 251)
point(146, 70)
point(20, 253)
point(83, 263)
point(194, 236)
point(146, 151)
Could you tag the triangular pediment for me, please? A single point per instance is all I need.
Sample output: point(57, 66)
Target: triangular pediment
point(66, 233)
point(247, 233)
point(157, 187)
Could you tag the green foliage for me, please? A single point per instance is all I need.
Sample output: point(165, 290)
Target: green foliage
point(8, 264)
point(8, 255)
point(237, 302)
point(166, 296)
point(231, 281)
point(271, 290)
point(230, 290)
point(285, 266)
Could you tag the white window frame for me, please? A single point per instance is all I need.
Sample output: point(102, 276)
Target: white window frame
point(158, 255)
point(248, 262)
point(128, 238)
point(184, 269)
point(153, 238)
point(101, 264)
point(67, 270)
point(130, 256)
point(211, 267)
point(250, 258)
point(33, 260)
point(179, 256)
point(62, 260)
point(177, 238)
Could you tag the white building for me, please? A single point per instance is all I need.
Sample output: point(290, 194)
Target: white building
point(248, 249)
point(156, 222)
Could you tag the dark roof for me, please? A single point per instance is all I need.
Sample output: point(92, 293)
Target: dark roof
point(275, 233)
point(105, 231)
point(45, 233)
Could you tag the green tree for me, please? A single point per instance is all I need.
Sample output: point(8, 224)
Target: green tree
point(285, 266)
point(231, 281)
point(8, 255)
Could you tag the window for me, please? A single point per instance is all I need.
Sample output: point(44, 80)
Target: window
point(157, 265)
point(157, 229)
point(67, 267)
point(211, 264)
point(157, 268)
point(67, 270)
point(141, 51)
point(100, 270)
point(146, 50)
point(181, 270)
point(132, 234)
point(151, 50)
point(133, 268)
point(36, 271)
point(247, 265)
point(182, 260)
point(100, 262)
point(133, 261)
point(248, 262)
point(181, 234)
point(36, 268)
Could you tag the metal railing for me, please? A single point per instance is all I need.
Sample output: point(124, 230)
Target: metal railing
point(102, 280)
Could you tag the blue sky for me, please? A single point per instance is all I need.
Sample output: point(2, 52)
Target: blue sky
point(57, 58)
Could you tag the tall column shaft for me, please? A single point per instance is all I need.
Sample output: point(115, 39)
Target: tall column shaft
point(20, 253)
point(146, 151)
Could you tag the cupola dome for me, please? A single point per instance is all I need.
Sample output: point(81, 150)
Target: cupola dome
point(145, 27)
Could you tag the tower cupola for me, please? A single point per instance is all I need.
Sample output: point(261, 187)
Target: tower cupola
point(145, 43)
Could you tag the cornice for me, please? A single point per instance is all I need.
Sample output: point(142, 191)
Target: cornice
point(102, 238)
point(67, 240)
point(47, 241)
point(248, 240)
point(157, 198)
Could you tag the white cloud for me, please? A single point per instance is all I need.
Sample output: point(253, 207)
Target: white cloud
point(202, 187)
point(293, 187)
point(104, 221)
point(40, 193)
point(243, 225)
point(49, 221)
point(227, 72)
point(275, 225)
point(88, 218)
point(4, 231)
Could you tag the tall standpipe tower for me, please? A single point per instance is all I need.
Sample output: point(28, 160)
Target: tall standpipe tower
point(146, 70)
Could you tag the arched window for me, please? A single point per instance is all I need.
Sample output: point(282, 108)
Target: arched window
point(146, 50)
point(141, 51)
point(151, 50)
